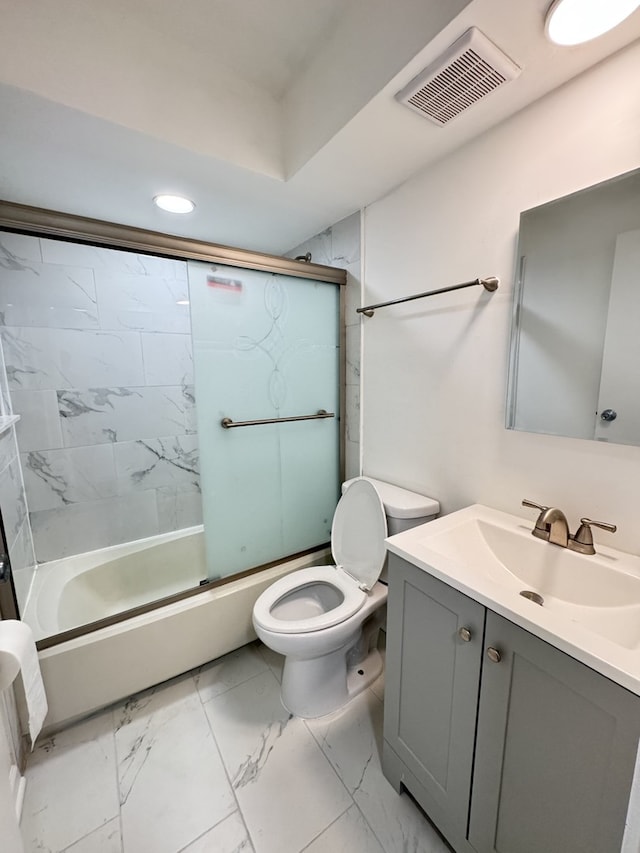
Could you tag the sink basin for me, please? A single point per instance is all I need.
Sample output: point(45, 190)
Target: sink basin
point(493, 557)
point(512, 555)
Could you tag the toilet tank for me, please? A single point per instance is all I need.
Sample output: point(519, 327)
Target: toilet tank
point(404, 509)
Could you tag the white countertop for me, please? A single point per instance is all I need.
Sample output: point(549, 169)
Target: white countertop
point(451, 549)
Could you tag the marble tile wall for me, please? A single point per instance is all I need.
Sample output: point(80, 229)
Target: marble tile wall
point(339, 246)
point(97, 348)
point(13, 504)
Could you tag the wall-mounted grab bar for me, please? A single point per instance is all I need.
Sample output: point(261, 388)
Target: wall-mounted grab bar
point(490, 283)
point(227, 423)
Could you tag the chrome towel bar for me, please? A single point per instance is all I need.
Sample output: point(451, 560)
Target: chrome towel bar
point(490, 283)
point(227, 423)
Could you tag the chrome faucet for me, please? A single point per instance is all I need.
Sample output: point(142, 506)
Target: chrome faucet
point(552, 526)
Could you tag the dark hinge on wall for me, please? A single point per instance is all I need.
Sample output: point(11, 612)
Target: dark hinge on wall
point(5, 568)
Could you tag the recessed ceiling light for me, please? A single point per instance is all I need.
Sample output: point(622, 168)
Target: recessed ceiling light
point(576, 21)
point(174, 203)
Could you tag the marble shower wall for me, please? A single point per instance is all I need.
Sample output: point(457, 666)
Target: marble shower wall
point(339, 246)
point(98, 355)
point(13, 504)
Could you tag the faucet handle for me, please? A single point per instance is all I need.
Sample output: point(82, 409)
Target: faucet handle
point(604, 525)
point(526, 502)
point(583, 540)
point(541, 528)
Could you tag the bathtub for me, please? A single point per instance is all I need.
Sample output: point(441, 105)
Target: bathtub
point(96, 669)
point(75, 591)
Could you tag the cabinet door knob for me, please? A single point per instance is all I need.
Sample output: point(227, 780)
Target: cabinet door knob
point(464, 634)
point(494, 655)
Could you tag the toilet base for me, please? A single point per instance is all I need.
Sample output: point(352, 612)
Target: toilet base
point(313, 688)
point(364, 674)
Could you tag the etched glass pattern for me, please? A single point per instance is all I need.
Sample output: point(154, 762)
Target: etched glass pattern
point(265, 346)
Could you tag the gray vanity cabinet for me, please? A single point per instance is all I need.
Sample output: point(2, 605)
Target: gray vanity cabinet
point(509, 745)
point(431, 694)
point(555, 750)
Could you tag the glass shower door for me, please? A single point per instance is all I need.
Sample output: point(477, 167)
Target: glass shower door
point(266, 346)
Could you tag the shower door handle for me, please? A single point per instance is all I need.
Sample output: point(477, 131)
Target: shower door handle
point(227, 423)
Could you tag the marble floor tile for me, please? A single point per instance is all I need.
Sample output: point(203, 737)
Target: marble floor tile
point(395, 819)
point(349, 834)
point(210, 762)
point(72, 786)
point(173, 786)
point(106, 839)
point(273, 659)
point(286, 789)
point(351, 738)
point(221, 675)
point(229, 836)
point(352, 741)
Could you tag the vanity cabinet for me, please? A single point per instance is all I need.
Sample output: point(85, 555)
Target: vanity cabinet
point(509, 745)
point(433, 663)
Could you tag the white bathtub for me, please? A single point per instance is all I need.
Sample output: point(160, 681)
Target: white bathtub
point(75, 591)
point(103, 666)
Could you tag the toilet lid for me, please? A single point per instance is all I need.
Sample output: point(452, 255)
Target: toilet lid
point(358, 533)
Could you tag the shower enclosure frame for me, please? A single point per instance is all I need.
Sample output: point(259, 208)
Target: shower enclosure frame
point(8, 600)
point(40, 222)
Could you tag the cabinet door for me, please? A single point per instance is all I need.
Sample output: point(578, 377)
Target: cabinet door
point(555, 751)
point(431, 691)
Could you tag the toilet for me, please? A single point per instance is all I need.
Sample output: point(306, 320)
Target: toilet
point(325, 619)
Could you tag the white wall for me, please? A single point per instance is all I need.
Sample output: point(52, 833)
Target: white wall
point(435, 371)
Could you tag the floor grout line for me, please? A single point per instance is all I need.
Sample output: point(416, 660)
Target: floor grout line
point(226, 772)
point(354, 801)
point(324, 738)
point(196, 676)
point(117, 775)
point(208, 830)
point(327, 827)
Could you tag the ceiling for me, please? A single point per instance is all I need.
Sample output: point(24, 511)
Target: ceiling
point(277, 117)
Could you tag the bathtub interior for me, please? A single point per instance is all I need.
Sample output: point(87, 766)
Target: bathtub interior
point(133, 579)
point(85, 588)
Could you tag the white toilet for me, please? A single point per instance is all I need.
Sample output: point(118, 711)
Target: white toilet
point(325, 619)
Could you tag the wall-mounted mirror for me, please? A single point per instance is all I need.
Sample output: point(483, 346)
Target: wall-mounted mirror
point(575, 347)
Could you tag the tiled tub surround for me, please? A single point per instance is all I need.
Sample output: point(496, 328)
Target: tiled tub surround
point(14, 514)
point(211, 762)
point(339, 246)
point(98, 351)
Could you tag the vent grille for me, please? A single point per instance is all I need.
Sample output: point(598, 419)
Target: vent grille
point(469, 70)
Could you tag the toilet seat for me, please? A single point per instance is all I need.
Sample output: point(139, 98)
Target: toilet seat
point(353, 600)
point(357, 543)
point(358, 532)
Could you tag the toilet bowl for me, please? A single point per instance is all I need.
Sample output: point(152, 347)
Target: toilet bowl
point(325, 619)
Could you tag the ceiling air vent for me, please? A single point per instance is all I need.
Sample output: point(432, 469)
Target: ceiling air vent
point(468, 71)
